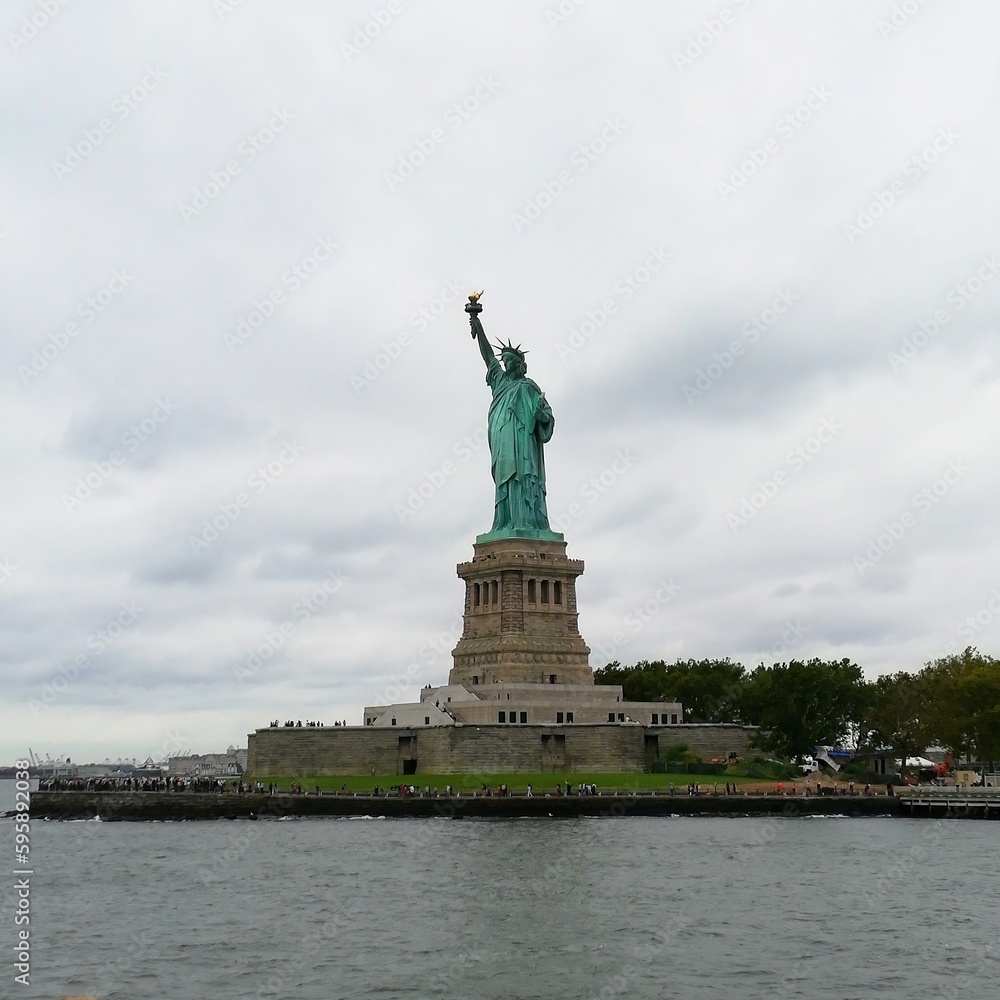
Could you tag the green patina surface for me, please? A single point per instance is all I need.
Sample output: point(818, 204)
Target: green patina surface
point(520, 423)
point(540, 534)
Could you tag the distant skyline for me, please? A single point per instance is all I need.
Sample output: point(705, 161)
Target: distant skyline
point(749, 246)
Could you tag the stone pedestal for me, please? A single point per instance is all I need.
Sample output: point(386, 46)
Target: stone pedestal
point(520, 617)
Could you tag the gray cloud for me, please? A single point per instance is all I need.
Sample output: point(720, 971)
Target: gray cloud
point(178, 173)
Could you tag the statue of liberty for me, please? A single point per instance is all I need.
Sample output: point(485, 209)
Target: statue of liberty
point(520, 423)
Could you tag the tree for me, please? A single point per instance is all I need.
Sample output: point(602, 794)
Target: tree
point(862, 732)
point(898, 707)
point(980, 690)
point(643, 682)
point(708, 690)
point(964, 704)
point(798, 705)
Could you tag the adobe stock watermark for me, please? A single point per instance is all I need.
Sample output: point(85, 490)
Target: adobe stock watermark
point(922, 502)
point(593, 489)
point(978, 967)
point(709, 32)
point(454, 118)
point(904, 866)
point(914, 168)
point(246, 152)
point(796, 459)
point(399, 684)
point(274, 639)
point(173, 745)
point(32, 24)
point(131, 440)
point(786, 127)
point(97, 643)
point(448, 979)
point(971, 627)
point(584, 156)
point(723, 361)
point(223, 8)
point(323, 938)
point(125, 957)
point(88, 310)
point(463, 449)
point(761, 834)
point(291, 281)
point(393, 348)
point(366, 33)
point(562, 12)
point(665, 942)
point(219, 865)
point(958, 298)
point(121, 109)
point(622, 290)
point(432, 651)
point(790, 637)
point(638, 618)
point(213, 528)
point(899, 17)
point(7, 570)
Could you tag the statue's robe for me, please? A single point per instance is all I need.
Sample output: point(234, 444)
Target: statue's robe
point(518, 427)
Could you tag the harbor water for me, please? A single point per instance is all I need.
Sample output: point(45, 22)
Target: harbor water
point(768, 907)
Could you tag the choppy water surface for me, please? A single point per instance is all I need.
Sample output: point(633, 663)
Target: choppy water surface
point(713, 908)
point(7, 790)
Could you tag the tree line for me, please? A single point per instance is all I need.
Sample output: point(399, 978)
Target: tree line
point(953, 701)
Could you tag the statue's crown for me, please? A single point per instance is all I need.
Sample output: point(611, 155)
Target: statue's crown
point(509, 348)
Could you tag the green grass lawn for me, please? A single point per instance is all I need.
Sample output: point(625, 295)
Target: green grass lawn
point(517, 783)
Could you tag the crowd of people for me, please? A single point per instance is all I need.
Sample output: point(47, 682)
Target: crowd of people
point(407, 792)
point(216, 786)
point(131, 783)
point(501, 791)
point(103, 784)
point(298, 724)
point(237, 785)
point(583, 788)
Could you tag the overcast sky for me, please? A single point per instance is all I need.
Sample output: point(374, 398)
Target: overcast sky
point(751, 248)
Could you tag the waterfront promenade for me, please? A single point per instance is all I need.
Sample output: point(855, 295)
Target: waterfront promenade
point(920, 802)
point(111, 806)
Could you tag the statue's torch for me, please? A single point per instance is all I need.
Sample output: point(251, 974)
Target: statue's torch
point(473, 308)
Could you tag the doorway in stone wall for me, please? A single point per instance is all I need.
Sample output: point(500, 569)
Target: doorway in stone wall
point(652, 750)
point(553, 752)
point(410, 766)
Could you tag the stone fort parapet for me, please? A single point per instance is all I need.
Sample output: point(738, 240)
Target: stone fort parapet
point(487, 749)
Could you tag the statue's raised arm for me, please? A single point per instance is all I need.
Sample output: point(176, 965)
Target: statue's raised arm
point(520, 424)
point(478, 333)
